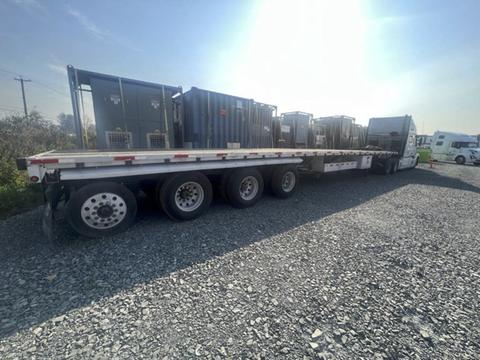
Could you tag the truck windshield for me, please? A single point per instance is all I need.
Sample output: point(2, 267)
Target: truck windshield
point(463, 144)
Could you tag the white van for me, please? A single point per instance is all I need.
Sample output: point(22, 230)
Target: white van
point(461, 148)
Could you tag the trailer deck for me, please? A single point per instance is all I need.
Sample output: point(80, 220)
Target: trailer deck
point(98, 186)
point(82, 165)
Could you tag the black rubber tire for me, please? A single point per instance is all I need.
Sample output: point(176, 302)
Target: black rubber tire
point(387, 166)
point(222, 185)
point(233, 187)
point(460, 160)
point(77, 199)
point(277, 178)
point(395, 164)
point(166, 195)
point(416, 162)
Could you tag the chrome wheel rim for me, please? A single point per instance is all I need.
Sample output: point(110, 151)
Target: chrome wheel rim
point(249, 188)
point(189, 196)
point(288, 181)
point(103, 210)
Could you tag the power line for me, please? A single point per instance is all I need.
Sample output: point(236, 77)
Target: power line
point(9, 72)
point(50, 88)
point(10, 110)
point(13, 107)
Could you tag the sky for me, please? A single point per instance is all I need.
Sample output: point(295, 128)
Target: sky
point(362, 58)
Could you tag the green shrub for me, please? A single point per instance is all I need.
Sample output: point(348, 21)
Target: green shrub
point(19, 137)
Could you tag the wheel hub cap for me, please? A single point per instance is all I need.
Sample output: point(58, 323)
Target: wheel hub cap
point(103, 210)
point(288, 181)
point(189, 196)
point(249, 188)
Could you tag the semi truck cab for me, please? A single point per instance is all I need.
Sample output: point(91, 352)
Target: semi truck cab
point(461, 148)
point(397, 133)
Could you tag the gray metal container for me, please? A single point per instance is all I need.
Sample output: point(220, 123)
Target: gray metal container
point(337, 131)
point(131, 113)
point(261, 130)
point(215, 120)
point(359, 136)
point(295, 128)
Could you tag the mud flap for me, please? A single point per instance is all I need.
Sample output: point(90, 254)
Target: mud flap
point(53, 193)
point(47, 221)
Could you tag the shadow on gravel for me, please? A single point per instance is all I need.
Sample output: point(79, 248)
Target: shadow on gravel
point(40, 281)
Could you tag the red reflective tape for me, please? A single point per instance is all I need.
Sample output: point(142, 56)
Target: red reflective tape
point(221, 154)
point(43, 161)
point(180, 156)
point(278, 153)
point(299, 153)
point(253, 153)
point(124, 157)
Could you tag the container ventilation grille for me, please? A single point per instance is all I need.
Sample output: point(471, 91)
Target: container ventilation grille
point(156, 140)
point(119, 139)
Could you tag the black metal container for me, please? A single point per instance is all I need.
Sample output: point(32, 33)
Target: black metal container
point(261, 130)
point(295, 128)
point(130, 113)
point(333, 132)
point(215, 120)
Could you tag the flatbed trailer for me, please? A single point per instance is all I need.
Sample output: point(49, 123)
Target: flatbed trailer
point(98, 188)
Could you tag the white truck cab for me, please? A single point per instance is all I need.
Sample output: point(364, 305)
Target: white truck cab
point(461, 148)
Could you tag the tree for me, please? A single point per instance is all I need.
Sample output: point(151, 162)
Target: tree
point(23, 136)
point(67, 123)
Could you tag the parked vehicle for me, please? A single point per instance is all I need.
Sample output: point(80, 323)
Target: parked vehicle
point(424, 141)
point(396, 133)
point(98, 188)
point(461, 148)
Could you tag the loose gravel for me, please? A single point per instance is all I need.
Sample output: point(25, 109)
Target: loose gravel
point(351, 267)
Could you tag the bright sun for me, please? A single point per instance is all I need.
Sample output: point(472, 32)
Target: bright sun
point(310, 56)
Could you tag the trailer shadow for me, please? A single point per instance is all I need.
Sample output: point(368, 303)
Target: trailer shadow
point(41, 282)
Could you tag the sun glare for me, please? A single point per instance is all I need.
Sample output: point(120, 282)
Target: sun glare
point(309, 56)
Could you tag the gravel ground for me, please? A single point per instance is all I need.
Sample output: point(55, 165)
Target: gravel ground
point(350, 267)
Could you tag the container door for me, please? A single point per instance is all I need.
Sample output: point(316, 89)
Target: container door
point(107, 105)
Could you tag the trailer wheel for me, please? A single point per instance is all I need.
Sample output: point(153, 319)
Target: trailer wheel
point(460, 160)
point(284, 181)
point(387, 167)
point(185, 196)
point(101, 209)
point(244, 187)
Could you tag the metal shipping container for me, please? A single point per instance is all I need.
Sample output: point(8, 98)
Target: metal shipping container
point(261, 126)
point(215, 120)
point(295, 128)
point(128, 113)
point(359, 136)
point(280, 138)
point(337, 131)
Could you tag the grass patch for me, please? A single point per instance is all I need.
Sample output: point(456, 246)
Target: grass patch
point(16, 199)
point(424, 155)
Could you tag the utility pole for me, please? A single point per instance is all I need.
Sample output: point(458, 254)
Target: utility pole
point(22, 80)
